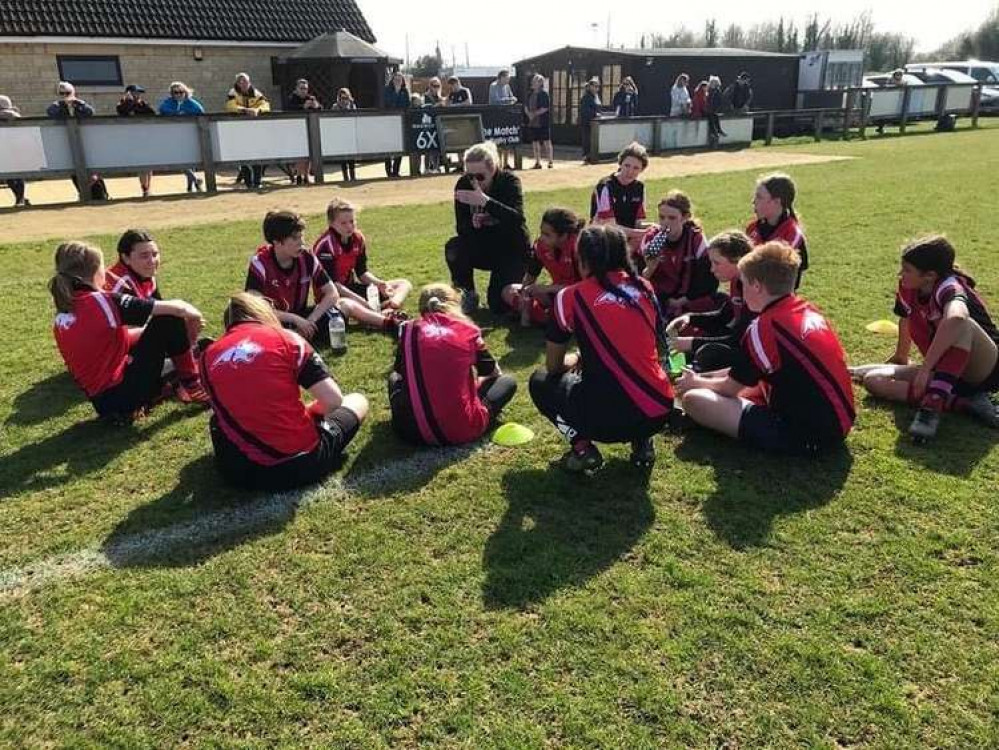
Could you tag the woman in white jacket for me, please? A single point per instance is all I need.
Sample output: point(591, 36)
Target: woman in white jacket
point(680, 97)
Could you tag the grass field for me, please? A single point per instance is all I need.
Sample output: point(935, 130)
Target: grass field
point(477, 599)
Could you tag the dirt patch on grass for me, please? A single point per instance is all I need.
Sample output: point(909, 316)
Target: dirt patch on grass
point(66, 221)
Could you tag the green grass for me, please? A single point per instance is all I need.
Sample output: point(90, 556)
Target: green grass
point(729, 600)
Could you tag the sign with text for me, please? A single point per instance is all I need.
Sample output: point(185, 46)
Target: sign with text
point(502, 125)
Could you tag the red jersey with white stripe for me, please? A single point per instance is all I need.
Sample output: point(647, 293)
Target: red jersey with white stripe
point(924, 315)
point(123, 280)
point(253, 375)
point(683, 269)
point(287, 288)
point(794, 351)
point(786, 230)
point(94, 339)
point(436, 356)
point(343, 261)
point(559, 262)
point(616, 331)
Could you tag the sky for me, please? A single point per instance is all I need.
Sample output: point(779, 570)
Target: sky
point(500, 33)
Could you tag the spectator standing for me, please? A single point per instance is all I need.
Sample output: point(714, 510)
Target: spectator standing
point(302, 100)
point(500, 94)
point(396, 96)
point(9, 112)
point(589, 110)
point(180, 103)
point(345, 102)
point(680, 103)
point(699, 101)
point(625, 101)
point(132, 104)
point(68, 107)
point(458, 95)
point(539, 121)
point(432, 97)
point(740, 94)
point(244, 99)
point(715, 104)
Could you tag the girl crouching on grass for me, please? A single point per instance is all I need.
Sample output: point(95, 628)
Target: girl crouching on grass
point(943, 315)
point(114, 345)
point(445, 387)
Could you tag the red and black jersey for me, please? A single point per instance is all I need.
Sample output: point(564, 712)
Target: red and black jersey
point(727, 323)
point(121, 279)
point(435, 359)
point(344, 262)
point(94, 339)
point(253, 375)
point(794, 351)
point(787, 230)
point(924, 315)
point(683, 269)
point(625, 204)
point(287, 288)
point(616, 330)
point(560, 263)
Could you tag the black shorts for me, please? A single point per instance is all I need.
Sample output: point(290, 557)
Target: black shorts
point(765, 429)
point(335, 433)
point(989, 385)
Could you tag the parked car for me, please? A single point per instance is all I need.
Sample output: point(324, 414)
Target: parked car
point(982, 71)
point(989, 102)
point(884, 79)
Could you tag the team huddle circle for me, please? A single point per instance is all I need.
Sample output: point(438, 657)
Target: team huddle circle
point(649, 326)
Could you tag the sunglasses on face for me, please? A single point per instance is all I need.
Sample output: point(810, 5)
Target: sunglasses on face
point(65, 93)
point(477, 176)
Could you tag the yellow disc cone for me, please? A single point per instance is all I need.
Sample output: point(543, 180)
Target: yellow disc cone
point(511, 434)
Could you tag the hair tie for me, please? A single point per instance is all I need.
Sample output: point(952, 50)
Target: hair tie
point(434, 304)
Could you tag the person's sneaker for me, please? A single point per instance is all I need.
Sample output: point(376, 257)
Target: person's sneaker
point(199, 184)
point(537, 165)
point(576, 462)
point(924, 425)
point(643, 453)
point(982, 408)
point(192, 392)
point(469, 301)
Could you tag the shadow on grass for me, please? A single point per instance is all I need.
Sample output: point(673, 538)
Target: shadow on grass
point(753, 489)
point(526, 348)
point(199, 518)
point(48, 398)
point(560, 530)
point(388, 464)
point(81, 449)
point(960, 444)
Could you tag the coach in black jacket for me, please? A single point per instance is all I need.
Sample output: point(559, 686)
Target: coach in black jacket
point(492, 230)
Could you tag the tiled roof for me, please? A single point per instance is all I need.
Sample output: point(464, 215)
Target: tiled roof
point(228, 20)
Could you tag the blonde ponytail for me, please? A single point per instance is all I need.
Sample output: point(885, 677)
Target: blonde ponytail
point(441, 299)
point(76, 263)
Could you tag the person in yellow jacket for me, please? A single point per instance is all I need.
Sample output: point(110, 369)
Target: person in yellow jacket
point(244, 99)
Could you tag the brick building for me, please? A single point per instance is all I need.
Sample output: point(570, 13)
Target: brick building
point(103, 45)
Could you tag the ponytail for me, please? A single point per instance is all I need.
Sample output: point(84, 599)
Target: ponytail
point(934, 253)
point(564, 222)
point(76, 263)
point(441, 299)
point(781, 187)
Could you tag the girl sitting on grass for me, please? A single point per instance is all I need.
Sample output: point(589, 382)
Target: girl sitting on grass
point(773, 204)
point(445, 387)
point(943, 315)
point(114, 345)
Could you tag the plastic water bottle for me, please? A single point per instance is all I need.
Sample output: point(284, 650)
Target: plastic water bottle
point(338, 331)
point(374, 298)
point(677, 361)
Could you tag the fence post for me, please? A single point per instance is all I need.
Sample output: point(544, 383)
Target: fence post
point(819, 122)
point(315, 146)
point(976, 100)
point(207, 155)
point(847, 109)
point(865, 112)
point(79, 159)
point(771, 117)
point(906, 96)
point(656, 131)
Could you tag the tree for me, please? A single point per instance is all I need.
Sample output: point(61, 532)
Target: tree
point(733, 36)
point(426, 66)
point(710, 33)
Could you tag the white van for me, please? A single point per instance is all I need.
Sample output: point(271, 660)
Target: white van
point(981, 70)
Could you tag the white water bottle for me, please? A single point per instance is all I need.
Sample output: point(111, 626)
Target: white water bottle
point(338, 331)
point(374, 298)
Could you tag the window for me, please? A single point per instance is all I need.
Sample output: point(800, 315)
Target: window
point(559, 95)
point(90, 70)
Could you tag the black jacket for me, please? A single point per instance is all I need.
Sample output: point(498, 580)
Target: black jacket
point(506, 206)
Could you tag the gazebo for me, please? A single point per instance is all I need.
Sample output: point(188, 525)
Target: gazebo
point(333, 61)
